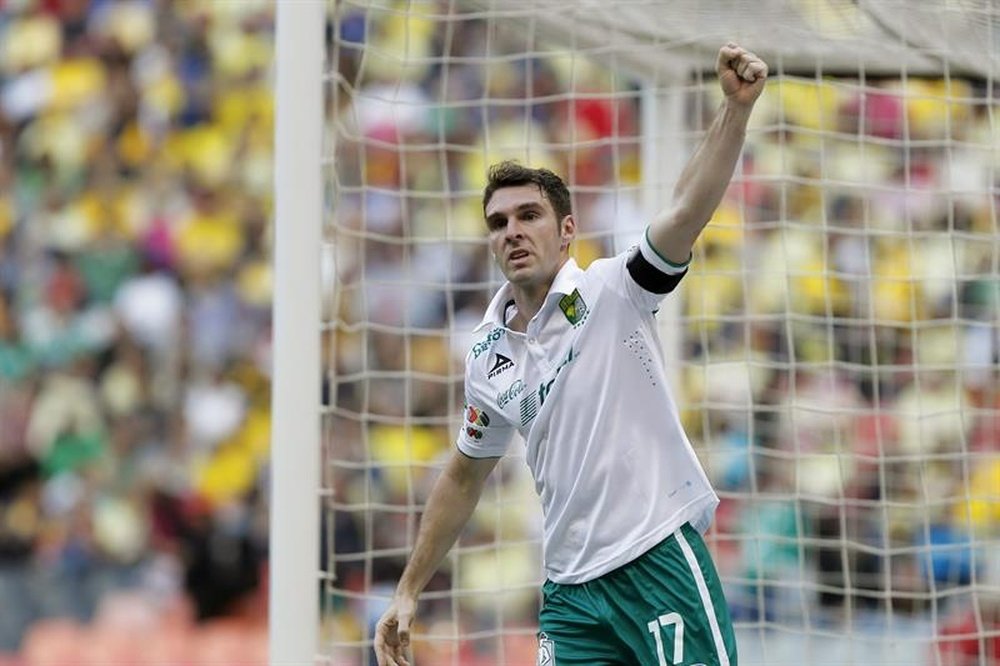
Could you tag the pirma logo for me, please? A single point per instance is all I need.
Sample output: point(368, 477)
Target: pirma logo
point(501, 364)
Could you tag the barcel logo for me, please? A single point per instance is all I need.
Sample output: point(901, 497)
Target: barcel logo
point(487, 342)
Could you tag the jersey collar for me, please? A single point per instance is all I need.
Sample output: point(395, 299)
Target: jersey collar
point(565, 282)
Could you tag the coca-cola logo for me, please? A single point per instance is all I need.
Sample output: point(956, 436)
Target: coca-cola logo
point(511, 392)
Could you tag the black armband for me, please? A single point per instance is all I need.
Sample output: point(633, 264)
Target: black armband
point(651, 271)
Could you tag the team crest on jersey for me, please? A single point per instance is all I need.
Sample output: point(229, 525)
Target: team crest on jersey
point(574, 307)
point(501, 364)
point(546, 651)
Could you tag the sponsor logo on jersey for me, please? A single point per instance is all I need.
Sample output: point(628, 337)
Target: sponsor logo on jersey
point(529, 408)
point(546, 651)
point(501, 364)
point(574, 307)
point(475, 433)
point(532, 402)
point(484, 345)
point(507, 395)
point(545, 387)
point(476, 416)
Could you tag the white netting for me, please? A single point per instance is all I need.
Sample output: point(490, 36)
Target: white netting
point(837, 354)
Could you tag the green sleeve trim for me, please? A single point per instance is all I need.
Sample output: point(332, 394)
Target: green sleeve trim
point(664, 259)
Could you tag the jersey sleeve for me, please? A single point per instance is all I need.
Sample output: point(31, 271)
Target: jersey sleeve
point(484, 432)
point(652, 275)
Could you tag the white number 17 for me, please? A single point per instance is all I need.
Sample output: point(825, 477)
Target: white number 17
point(663, 621)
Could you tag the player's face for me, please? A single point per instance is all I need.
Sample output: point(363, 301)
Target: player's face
point(529, 243)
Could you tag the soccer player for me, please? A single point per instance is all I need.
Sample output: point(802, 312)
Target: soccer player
point(571, 359)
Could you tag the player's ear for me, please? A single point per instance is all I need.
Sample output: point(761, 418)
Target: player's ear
point(567, 230)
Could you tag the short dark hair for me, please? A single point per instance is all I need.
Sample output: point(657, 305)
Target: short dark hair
point(512, 174)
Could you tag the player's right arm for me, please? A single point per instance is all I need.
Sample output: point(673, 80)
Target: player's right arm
point(705, 177)
point(449, 507)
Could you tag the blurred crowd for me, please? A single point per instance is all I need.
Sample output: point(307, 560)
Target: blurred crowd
point(837, 364)
point(135, 289)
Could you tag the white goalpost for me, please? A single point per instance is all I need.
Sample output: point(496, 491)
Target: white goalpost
point(834, 348)
point(297, 366)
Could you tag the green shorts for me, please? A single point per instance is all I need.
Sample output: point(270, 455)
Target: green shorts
point(664, 608)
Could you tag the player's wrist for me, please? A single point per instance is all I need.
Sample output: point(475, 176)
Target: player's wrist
point(736, 108)
point(407, 590)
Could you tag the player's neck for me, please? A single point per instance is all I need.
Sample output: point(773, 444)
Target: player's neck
point(526, 309)
point(530, 296)
point(529, 300)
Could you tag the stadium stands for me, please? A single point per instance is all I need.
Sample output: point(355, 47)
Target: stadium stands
point(135, 203)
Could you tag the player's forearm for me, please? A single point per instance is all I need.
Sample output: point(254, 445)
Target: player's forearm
point(702, 184)
point(448, 509)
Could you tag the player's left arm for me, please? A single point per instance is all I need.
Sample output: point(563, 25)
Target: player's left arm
point(707, 174)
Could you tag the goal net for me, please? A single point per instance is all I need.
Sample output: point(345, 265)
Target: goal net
point(834, 347)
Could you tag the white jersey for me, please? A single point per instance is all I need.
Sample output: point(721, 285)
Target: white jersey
point(586, 388)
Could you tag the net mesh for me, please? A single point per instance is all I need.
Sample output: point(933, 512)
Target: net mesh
point(834, 344)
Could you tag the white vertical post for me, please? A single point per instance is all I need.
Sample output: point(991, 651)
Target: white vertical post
point(664, 153)
point(295, 388)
